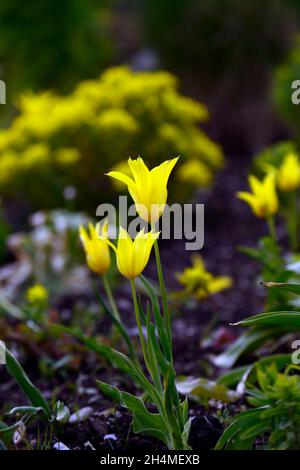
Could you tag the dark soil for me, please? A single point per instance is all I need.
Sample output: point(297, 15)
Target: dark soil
point(228, 223)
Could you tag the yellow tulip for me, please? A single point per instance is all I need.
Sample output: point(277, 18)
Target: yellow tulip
point(288, 174)
point(96, 248)
point(263, 198)
point(148, 188)
point(133, 255)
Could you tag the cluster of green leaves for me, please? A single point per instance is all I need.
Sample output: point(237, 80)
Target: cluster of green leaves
point(273, 422)
point(73, 140)
point(38, 408)
point(264, 327)
point(207, 40)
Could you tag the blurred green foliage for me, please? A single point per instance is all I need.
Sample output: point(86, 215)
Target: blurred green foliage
point(220, 36)
point(52, 43)
point(273, 155)
point(57, 141)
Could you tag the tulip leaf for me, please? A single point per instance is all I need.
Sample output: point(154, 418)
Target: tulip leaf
point(288, 320)
point(152, 347)
point(6, 435)
point(246, 342)
point(26, 410)
point(292, 288)
point(161, 327)
point(15, 369)
point(143, 420)
point(91, 343)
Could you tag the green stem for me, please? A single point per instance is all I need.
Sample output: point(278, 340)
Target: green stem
point(272, 228)
point(163, 293)
point(139, 324)
point(110, 297)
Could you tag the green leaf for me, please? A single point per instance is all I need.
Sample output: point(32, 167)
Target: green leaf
point(248, 341)
point(26, 410)
point(143, 420)
point(61, 412)
point(6, 435)
point(15, 369)
point(126, 364)
point(233, 377)
point(91, 343)
point(11, 309)
point(287, 320)
point(200, 388)
point(171, 401)
point(230, 438)
point(186, 433)
point(152, 347)
point(159, 320)
point(293, 288)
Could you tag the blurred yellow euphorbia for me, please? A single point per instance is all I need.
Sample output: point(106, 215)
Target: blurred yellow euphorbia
point(148, 188)
point(263, 199)
point(200, 282)
point(288, 174)
point(133, 255)
point(96, 248)
point(37, 294)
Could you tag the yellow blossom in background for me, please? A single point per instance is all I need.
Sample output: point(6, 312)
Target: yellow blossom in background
point(195, 172)
point(96, 248)
point(37, 294)
point(263, 198)
point(62, 140)
point(199, 282)
point(133, 255)
point(288, 174)
point(148, 188)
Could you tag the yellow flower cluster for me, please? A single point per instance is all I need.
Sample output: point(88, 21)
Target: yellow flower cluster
point(36, 294)
point(122, 112)
point(199, 282)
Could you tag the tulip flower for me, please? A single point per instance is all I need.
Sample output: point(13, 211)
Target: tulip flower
point(133, 255)
point(96, 248)
point(288, 174)
point(263, 199)
point(148, 188)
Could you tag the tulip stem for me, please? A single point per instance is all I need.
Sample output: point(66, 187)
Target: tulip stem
point(139, 324)
point(163, 291)
point(272, 228)
point(110, 297)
